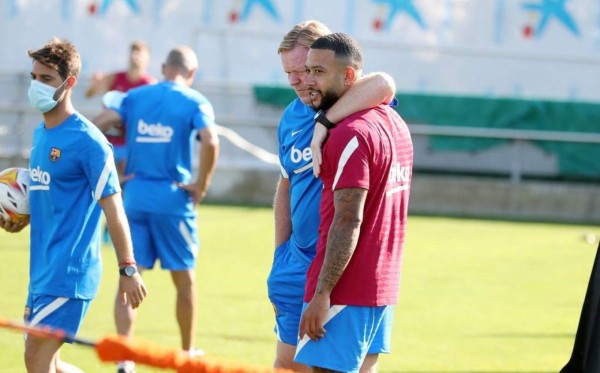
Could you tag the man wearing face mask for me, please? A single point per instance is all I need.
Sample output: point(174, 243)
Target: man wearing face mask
point(72, 180)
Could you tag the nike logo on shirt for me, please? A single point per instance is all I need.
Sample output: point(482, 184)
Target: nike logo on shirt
point(294, 133)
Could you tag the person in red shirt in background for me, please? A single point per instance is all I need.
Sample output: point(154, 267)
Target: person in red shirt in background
point(123, 81)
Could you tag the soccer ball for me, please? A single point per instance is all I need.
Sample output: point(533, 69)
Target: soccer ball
point(14, 194)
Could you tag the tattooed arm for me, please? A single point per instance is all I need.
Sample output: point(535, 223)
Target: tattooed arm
point(342, 237)
point(341, 241)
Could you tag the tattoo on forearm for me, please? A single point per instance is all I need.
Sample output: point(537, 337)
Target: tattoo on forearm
point(343, 236)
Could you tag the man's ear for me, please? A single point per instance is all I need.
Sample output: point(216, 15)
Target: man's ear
point(71, 82)
point(192, 74)
point(350, 76)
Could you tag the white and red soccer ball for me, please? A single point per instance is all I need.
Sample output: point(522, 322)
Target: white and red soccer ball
point(14, 194)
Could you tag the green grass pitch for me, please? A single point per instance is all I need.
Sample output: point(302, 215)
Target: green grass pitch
point(476, 296)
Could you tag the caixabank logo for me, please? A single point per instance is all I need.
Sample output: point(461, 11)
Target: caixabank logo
point(388, 10)
point(544, 13)
point(241, 9)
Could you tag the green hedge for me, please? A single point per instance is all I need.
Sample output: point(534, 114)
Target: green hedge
point(575, 160)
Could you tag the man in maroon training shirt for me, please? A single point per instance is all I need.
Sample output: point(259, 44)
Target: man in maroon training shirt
point(352, 284)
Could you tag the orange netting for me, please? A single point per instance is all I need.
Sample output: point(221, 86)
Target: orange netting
point(117, 348)
point(114, 348)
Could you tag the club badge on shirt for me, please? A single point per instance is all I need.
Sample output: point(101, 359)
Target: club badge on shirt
point(55, 154)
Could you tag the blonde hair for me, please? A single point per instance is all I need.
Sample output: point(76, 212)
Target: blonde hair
point(303, 34)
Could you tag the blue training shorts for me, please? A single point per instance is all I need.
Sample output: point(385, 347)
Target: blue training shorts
point(286, 290)
point(171, 239)
point(61, 313)
point(351, 333)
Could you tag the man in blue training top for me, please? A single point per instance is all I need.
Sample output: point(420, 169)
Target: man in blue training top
point(298, 193)
point(162, 122)
point(73, 177)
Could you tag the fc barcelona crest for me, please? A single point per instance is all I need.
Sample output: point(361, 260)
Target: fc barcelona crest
point(55, 154)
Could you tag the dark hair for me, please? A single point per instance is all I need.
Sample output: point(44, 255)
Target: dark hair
point(60, 55)
point(343, 45)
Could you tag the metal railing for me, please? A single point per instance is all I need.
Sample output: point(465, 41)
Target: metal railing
point(17, 120)
point(517, 137)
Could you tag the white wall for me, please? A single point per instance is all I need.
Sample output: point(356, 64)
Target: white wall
point(477, 47)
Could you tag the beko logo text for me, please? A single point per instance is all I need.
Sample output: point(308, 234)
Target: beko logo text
point(39, 176)
point(156, 130)
point(298, 155)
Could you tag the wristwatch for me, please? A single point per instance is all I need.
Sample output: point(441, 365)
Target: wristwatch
point(128, 271)
point(321, 118)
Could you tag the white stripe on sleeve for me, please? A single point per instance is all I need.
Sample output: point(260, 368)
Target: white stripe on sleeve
point(109, 166)
point(283, 172)
point(348, 150)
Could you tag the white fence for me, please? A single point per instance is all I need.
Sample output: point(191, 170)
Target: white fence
point(243, 178)
point(237, 111)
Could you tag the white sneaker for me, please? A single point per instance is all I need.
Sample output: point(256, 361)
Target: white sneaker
point(126, 367)
point(195, 352)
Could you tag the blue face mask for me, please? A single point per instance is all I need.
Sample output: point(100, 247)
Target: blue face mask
point(41, 96)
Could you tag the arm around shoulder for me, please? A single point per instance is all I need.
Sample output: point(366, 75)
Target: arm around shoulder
point(367, 92)
point(382, 85)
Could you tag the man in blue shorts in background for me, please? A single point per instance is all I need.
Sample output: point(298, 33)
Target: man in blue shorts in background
point(296, 205)
point(72, 180)
point(162, 122)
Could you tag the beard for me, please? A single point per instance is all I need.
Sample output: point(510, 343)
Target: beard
point(328, 98)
